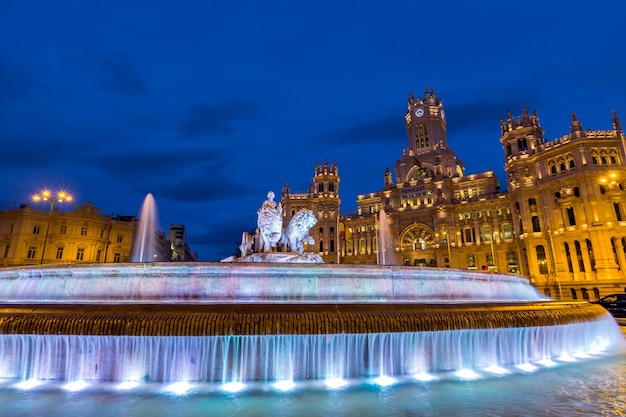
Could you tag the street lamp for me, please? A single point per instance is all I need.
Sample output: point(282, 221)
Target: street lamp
point(46, 195)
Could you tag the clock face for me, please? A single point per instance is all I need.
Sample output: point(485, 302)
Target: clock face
point(419, 112)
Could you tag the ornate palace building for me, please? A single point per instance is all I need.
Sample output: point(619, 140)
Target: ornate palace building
point(562, 222)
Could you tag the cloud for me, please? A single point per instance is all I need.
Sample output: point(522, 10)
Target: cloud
point(379, 130)
point(39, 152)
point(211, 119)
point(189, 175)
point(122, 76)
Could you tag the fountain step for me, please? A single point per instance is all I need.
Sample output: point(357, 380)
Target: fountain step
point(287, 319)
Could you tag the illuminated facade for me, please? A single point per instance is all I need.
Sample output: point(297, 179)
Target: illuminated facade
point(562, 222)
point(30, 236)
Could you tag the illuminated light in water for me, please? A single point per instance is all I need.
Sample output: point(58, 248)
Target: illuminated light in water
point(497, 370)
point(335, 383)
point(233, 387)
point(467, 374)
point(527, 367)
point(424, 377)
point(28, 384)
point(285, 385)
point(75, 386)
point(178, 388)
point(384, 381)
point(547, 362)
point(126, 385)
point(566, 357)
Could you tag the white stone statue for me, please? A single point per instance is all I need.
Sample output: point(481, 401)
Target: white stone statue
point(270, 222)
point(297, 232)
point(246, 244)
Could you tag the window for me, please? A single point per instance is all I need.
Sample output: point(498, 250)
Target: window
point(471, 262)
point(552, 169)
point(332, 245)
point(592, 258)
point(571, 218)
point(59, 254)
point(562, 166)
point(117, 257)
point(83, 231)
point(579, 256)
point(576, 192)
point(571, 164)
point(507, 231)
point(120, 238)
point(486, 234)
point(568, 255)
point(541, 259)
point(468, 235)
point(31, 252)
point(63, 229)
point(615, 258)
point(36, 230)
point(618, 212)
point(331, 187)
point(536, 225)
point(80, 254)
point(511, 263)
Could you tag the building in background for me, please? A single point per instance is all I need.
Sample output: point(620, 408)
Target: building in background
point(30, 236)
point(562, 222)
point(181, 252)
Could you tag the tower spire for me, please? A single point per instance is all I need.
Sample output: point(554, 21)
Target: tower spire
point(616, 124)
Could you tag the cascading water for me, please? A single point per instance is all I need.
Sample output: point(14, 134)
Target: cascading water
point(144, 246)
point(240, 324)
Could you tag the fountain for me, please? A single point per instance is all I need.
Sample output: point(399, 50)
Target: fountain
point(241, 324)
point(385, 249)
point(144, 249)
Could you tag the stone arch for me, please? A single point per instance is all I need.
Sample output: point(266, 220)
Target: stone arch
point(417, 237)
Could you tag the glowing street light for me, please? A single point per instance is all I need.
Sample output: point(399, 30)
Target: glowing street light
point(46, 195)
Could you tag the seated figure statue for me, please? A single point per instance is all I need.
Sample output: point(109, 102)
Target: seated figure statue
point(270, 222)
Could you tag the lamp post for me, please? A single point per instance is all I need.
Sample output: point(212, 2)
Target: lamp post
point(46, 195)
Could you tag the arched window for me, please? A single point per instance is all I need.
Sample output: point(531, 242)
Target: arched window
point(536, 225)
point(579, 256)
point(596, 293)
point(541, 259)
point(574, 296)
point(568, 255)
point(592, 258)
point(571, 163)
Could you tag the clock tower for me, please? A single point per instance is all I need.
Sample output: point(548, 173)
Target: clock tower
point(427, 154)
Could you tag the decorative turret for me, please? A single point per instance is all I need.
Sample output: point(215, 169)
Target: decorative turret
point(326, 179)
point(576, 128)
point(388, 178)
point(617, 127)
point(520, 134)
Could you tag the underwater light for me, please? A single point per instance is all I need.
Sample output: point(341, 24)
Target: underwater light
point(335, 383)
point(75, 386)
point(527, 367)
point(496, 369)
point(547, 362)
point(424, 377)
point(233, 387)
point(284, 385)
point(466, 374)
point(126, 385)
point(384, 381)
point(178, 388)
point(28, 384)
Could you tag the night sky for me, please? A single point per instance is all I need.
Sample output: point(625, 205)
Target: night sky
point(209, 104)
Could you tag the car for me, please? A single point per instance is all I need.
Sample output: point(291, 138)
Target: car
point(614, 303)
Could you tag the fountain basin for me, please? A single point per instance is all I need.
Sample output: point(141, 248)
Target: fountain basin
point(256, 282)
point(265, 323)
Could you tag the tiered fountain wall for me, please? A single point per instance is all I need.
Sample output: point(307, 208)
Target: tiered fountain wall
point(233, 323)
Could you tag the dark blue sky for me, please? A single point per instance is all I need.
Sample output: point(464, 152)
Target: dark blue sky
point(208, 105)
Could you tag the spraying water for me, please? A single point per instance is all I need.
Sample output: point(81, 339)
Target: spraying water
point(144, 247)
point(385, 254)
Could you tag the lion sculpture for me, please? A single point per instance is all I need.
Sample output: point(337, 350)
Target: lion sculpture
point(297, 232)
